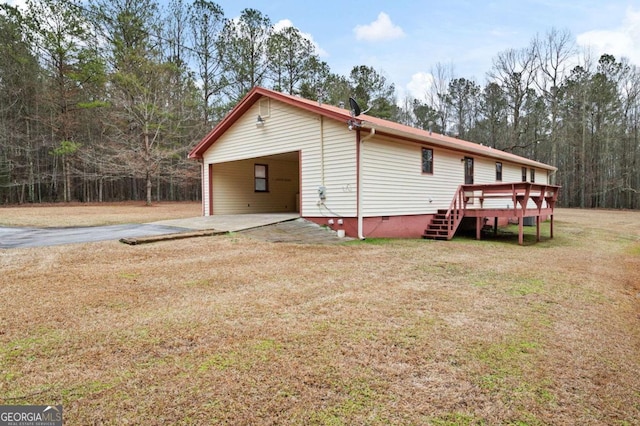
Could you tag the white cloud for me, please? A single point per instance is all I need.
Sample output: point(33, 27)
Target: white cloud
point(419, 85)
point(379, 30)
point(623, 41)
point(285, 23)
point(20, 4)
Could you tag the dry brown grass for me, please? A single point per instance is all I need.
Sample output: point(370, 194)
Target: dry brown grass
point(239, 331)
point(76, 214)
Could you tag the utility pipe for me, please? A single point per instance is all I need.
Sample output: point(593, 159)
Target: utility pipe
point(360, 143)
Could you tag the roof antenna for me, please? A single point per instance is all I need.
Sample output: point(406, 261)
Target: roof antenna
point(355, 108)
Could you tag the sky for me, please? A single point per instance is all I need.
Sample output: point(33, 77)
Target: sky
point(406, 39)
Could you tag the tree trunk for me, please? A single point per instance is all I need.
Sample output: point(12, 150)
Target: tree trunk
point(149, 186)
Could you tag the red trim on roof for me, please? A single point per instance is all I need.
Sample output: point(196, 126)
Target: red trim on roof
point(385, 127)
point(251, 98)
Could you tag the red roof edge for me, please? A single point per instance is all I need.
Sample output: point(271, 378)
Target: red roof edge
point(246, 103)
point(365, 122)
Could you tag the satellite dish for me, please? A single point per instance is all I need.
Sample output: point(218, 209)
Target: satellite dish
point(355, 108)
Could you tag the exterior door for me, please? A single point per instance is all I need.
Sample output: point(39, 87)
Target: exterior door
point(468, 170)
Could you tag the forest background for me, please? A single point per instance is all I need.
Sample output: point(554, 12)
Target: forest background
point(101, 100)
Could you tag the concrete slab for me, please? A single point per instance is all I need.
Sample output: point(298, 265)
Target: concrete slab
point(295, 231)
point(229, 223)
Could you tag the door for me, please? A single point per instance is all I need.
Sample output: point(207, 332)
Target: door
point(468, 170)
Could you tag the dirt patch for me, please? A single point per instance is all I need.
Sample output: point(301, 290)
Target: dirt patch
point(241, 331)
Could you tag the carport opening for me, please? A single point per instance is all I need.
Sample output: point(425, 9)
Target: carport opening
point(267, 184)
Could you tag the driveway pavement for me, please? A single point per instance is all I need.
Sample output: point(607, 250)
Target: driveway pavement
point(229, 222)
point(40, 237)
point(11, 237)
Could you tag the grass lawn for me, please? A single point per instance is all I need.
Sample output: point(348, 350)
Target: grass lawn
point(234, 330)
point(77, 214)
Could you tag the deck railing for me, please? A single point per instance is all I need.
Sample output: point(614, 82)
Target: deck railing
point(519, 193)
point(455, 213)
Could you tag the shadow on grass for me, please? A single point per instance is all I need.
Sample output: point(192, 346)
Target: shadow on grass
point(506, 235)
point(509, 235)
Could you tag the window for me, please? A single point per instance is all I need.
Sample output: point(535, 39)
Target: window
point(427, 160)
point(261, 177)
point(499, 171)
point(524, 174)
point(532, 174)
point(468, 170)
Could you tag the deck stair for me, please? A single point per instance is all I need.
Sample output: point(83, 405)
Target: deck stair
point(523, 199)
point(437, 228)
point(444, 224)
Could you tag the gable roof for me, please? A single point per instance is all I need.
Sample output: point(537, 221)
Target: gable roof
point(365, 122)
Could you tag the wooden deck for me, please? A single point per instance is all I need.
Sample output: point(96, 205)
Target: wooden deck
point(484, 201)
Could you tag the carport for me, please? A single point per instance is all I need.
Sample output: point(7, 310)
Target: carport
point(266, 184)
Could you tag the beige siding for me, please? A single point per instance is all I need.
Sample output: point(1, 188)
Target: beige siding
point(327, 157)
point(234, 187)
point(393, 182)
point(485, 170)
point(395, 185)
point(511, 172)
point(338, 173)
point(485, 173)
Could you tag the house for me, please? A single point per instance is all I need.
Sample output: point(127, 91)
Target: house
point(367, 176)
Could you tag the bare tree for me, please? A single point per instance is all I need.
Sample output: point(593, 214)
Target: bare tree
point(243, 52)
point(290, 58)
point(19, 88)
point(436, 95)
point(206, 20)
point(515, 71)
point(462, 99)
point(71, 64)
point(553, 54)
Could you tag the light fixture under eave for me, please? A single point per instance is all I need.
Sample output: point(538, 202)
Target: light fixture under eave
point(259, 122)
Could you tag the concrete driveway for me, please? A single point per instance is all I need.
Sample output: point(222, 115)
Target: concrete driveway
point(40, 237)
point(229, 222)
point(11, 237)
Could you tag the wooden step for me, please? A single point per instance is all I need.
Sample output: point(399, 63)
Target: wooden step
point(434, 237)
point(435, 233)
point(438, 228)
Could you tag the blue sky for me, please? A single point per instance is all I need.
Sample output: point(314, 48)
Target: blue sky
point(406, 39)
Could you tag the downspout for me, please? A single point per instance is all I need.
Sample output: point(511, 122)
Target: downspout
point(321, 150)
point(360, 143)
point(203, 187)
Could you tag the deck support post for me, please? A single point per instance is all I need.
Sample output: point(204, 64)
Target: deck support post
point(520, 230)
point(518, 193)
